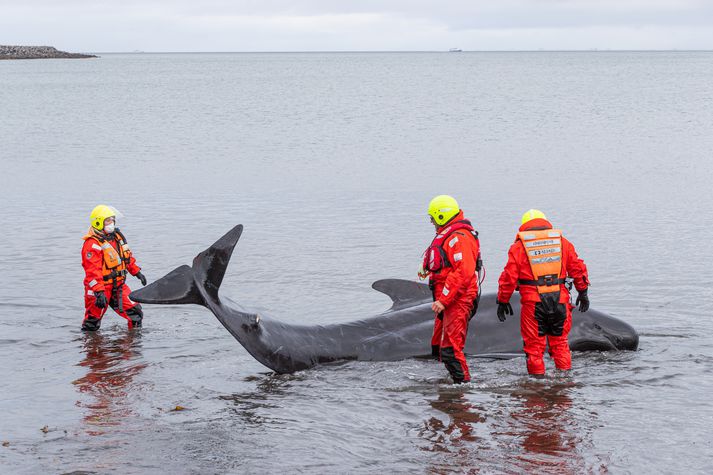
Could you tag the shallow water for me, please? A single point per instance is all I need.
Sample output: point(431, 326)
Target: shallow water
point(329, 161)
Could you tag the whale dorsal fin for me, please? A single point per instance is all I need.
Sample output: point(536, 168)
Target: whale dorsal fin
point(403, 292)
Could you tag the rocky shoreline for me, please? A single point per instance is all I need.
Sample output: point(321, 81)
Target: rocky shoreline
point(37, 52)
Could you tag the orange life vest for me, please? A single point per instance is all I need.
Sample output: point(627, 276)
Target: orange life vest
point(115, 262)
point(544, 251)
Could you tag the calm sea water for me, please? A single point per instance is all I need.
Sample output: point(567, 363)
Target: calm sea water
point(329, 160)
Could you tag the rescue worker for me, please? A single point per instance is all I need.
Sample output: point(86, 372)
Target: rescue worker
point(538, 262)
point(453, 263)
point(107, 258)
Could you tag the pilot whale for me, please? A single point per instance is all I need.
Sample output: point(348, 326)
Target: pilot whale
point(403, 331)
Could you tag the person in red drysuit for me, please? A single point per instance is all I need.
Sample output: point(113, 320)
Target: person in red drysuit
point(107, 258)
point(538, 262)
point(452, 262)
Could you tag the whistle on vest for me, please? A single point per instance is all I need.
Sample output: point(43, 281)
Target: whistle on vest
point(422, 272)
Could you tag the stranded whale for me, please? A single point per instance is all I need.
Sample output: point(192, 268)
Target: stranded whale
point(401, 332)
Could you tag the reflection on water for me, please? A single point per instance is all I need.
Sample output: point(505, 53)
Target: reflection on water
point(111, 363)
point(451, 434)
point(545, 427)
point(536, 423)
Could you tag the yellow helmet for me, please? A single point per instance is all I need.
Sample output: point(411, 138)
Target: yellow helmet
point(99, 214)
point(442, 209)
point(531, 214)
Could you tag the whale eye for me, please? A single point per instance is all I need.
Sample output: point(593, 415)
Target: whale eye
point(597, 326)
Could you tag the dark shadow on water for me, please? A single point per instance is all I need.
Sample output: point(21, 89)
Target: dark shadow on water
point(112, 364)
point(251, 406)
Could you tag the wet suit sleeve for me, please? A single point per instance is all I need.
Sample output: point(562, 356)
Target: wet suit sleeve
point(461, 249)
point(508, 279)
point(576, 268)
point(133, 268)
point(92, 261)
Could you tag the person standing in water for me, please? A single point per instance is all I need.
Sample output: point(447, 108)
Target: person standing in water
point(453, 263)
point(107, 259)
point(538, 262)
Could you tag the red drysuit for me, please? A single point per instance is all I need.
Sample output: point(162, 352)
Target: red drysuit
point(544, 316)
point(455, 285)
point(106, 260)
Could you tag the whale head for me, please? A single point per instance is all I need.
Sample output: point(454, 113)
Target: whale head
point(595, 330)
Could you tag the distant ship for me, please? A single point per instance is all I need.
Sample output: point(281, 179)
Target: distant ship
point(455, 50)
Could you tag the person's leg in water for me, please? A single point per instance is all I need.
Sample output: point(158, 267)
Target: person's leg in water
point(92, 314)
point(455, 328)
point(534, 341)
point(127, 308)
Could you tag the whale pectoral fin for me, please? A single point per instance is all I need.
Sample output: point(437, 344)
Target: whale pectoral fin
point(403, 293)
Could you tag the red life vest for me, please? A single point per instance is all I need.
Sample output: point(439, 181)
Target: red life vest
point(436, 258)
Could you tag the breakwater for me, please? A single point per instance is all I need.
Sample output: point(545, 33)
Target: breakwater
point(37, 52)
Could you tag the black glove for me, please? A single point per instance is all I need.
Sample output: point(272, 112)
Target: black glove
point(101, 299)
point(504, 309)
point(141, 277)
point(583, 301)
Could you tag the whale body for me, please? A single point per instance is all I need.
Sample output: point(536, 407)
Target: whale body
point(403, 331)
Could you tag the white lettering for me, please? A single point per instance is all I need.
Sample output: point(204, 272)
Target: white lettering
point(543, 242)
point(549, 250)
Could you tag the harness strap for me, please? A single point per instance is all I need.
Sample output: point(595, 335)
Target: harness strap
point(114, 274)
point(120, 297)
point(545, 280)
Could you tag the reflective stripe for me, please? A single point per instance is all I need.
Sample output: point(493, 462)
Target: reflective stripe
point(90, 293)
point(446, 291)
point(92, 283)
point(457, 256)
point(453, 242)
point(549, 250)
point(125, 247)
point(543, 242)
point(553, 234)
point(96, 246)
point(542, 260)
point(106, 245)
point(529, 236)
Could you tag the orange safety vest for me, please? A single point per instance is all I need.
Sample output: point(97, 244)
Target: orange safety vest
point(544, 251)
point(115, 262)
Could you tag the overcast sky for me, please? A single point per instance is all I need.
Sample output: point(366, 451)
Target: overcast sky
point(366, 25)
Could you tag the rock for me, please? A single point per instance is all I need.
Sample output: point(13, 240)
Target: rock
point(37, 52)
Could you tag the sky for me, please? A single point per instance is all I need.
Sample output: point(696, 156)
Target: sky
point(365, 25)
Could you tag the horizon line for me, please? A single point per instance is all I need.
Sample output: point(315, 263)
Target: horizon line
point(539, 50)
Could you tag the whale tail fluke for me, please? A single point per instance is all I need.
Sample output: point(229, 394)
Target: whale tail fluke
point(193, 284)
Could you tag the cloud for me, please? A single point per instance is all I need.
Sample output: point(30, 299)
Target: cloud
point(281, 25)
